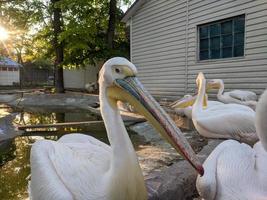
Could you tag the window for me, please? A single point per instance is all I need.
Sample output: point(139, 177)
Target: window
point(222, 39)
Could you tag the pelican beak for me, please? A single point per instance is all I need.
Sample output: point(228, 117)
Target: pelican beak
point(185, 102)
point(131, 90)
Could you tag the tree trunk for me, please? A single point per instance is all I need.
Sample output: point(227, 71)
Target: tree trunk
point(58, 46)
point(111, 23)
point(19, 56)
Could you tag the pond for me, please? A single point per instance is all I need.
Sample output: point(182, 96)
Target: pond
point(15, 153)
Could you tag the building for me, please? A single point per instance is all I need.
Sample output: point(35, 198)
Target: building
point(173, 40)
point(9, 72)
point(81, 78)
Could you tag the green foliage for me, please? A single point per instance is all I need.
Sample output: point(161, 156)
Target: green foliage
point(83, 35)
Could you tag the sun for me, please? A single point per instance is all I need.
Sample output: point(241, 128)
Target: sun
point(3, 34)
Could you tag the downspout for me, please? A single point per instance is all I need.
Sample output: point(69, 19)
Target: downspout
point(131, 40)
point(186, 49)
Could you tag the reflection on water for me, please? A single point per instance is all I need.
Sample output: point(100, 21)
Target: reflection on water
point(7, 151)
point(13, 175)
point(15, 153)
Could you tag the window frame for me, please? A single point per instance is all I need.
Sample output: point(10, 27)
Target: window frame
point(219, 21)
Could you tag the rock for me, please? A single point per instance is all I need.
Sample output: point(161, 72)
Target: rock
point(7, 129)
point(39, 102)
point(177, 182)
point(147, 131)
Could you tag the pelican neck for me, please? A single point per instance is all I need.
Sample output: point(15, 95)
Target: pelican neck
point(117, 134)
point(221, 89)
point(201, 93)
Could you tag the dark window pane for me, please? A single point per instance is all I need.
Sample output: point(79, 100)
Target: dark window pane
point(214, 30)
point(215, 43)
point(227, 40)
point(238, 51)
point(204, 44)
point(226, 27)
point(215, 53)
point(227, 52)
point(239, 24)
point(222, 39)
point(203, 32)
point(239, 39)
point(204, 55)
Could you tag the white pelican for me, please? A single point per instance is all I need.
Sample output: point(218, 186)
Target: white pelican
point(235, 170)
point(223, 121)
point(81, 167)
point(242, 97)
point(184, 106)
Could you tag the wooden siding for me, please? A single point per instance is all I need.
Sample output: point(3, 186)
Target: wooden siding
point(158, 46)
point(248, 72)
point(167, 57)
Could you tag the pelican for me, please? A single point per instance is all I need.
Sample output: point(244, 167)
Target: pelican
point(81, 167)
point(242, 97)
point(185, 105)
point(235, 170)
point(223, 121)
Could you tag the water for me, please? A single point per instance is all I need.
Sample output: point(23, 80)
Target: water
point(15, 153)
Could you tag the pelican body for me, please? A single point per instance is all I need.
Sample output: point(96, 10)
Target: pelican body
point(80, 167)
point(184, 106)
point(231, 121)
point(241, 97)
point(235, 170)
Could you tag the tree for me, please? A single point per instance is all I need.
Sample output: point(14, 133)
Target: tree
point(111, 23)
point(58, 45)
point(91, 32)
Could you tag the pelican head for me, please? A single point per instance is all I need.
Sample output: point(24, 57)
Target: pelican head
point(215, 83)
point(118, 76)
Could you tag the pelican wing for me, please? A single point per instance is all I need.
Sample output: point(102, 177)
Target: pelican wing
point(243, 95)
point(207, 184)
point(234, 171)
point(228, 122)
point(71, 168)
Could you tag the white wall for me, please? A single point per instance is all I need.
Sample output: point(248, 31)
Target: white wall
point(164, 45)
point(247, 72)
point(77, 78)
point(9, 77)
point(158, 46)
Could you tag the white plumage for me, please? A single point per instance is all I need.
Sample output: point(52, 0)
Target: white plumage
point(231, 121)
point(242, 97)
point(82, 168)
point(184, 105)
point(235, 170)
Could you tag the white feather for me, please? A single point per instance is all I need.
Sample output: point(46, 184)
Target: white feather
point(242, 97)
point(231, 121)
point(79, 167)
point(235, 170)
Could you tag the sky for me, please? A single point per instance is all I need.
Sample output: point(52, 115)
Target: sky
point(125, 7)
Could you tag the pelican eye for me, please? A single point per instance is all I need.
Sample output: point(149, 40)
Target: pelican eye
point(117, 70)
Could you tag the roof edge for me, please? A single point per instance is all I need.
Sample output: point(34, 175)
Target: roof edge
point(131, 11)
